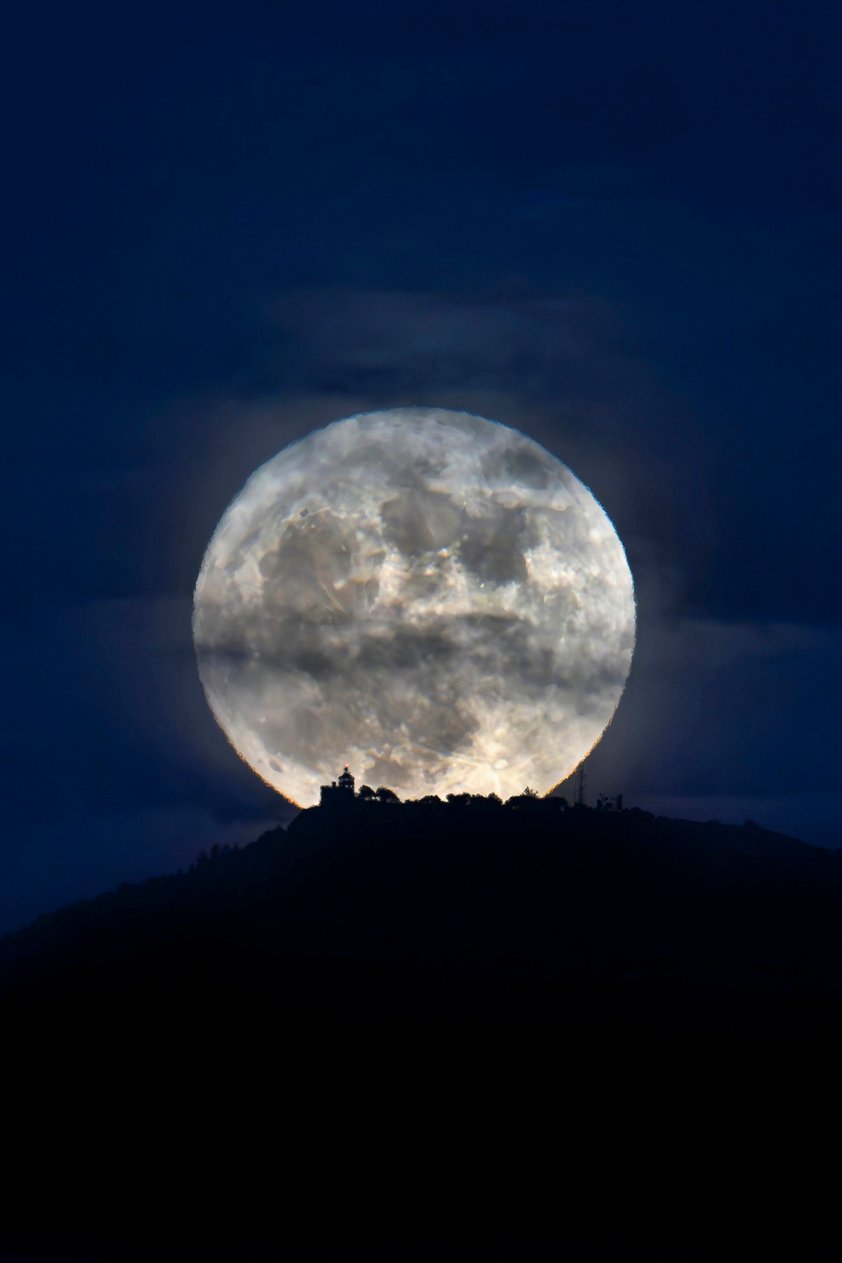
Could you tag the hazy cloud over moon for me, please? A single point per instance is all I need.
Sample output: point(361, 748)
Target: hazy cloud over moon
point(425, 595)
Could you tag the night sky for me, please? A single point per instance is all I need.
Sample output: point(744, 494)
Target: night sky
point(614, 226)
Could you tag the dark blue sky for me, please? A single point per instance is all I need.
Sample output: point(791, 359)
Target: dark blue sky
point(616, 226)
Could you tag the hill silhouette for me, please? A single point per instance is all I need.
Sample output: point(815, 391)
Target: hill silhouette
point(462, 1027)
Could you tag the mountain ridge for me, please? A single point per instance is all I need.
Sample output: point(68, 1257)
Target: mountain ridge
point(476, 881)
point(458, 1031)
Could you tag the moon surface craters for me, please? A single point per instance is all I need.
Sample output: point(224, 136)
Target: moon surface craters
point(425, 595)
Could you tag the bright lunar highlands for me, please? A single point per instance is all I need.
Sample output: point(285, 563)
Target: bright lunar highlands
point(427, 596)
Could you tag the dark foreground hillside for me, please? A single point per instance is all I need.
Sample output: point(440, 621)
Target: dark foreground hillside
point(460, 1031)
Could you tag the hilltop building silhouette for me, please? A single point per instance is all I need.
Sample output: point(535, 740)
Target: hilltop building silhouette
point(339, 793)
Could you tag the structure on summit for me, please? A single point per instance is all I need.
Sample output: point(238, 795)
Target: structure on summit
point(339, 793)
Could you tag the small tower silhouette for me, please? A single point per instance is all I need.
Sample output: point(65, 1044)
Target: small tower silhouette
point(339, 793)
point(580, 786)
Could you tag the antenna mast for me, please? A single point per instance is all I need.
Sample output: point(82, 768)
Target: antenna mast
point(580, 786)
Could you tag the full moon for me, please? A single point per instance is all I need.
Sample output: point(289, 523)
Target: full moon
point(425, 595)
